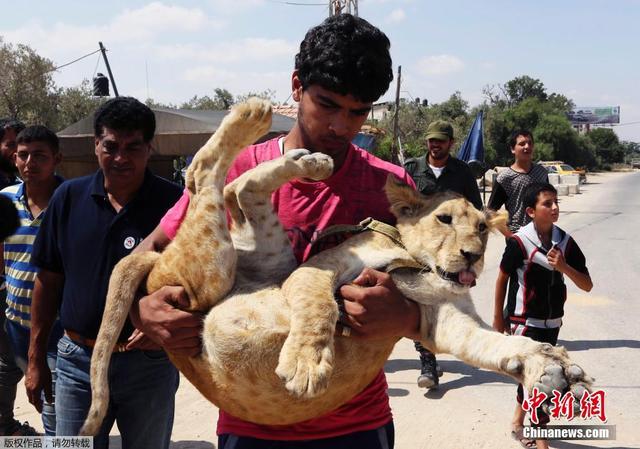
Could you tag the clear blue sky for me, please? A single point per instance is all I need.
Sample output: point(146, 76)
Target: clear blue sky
point(584, 49)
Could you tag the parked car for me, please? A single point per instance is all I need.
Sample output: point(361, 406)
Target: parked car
point(635, 163)
point(561, 168)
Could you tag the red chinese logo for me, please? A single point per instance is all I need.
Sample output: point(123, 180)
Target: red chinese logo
point(592, 406)
point(533, 402)
point(562, 405)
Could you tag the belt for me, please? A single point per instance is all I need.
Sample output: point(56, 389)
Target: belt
point(551, 323)
point(90, 342)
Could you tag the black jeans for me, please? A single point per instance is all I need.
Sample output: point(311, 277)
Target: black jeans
point(380, 438)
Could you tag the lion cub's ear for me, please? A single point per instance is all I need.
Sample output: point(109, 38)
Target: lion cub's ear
point(405, 201)
point(497, 221)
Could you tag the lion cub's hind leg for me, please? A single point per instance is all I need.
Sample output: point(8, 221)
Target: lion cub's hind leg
point(202, 258)
point(261, 243)
point(245, 123)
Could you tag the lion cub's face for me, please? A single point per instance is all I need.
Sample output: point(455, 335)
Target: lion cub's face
point(443, 231)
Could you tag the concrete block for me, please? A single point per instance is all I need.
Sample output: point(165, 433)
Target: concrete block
point(563, 189)
point(554, 179)
point(574, 189)
point(569, 179)
point(489, 179)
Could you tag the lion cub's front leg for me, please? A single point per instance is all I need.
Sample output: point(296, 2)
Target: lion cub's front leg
point(456, 329)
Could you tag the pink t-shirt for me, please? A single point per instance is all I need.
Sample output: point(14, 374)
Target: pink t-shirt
point(305, 209)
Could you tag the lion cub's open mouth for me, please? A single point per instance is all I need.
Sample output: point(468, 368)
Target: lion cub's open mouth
point(462, 277)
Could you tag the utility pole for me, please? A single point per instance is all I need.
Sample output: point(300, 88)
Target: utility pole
point(343, 6)
point(106, 62)
point(396, 157)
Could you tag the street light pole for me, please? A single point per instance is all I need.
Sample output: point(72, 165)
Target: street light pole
point(343, 6)
point(395, 150)
point(106, 62)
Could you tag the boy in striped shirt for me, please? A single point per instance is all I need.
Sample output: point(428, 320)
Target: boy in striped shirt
point(36, 159)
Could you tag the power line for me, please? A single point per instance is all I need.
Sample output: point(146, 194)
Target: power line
point(72, 62)
point(282, 2)
point(96, 68)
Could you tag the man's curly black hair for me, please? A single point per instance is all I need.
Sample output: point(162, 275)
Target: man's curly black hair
point(125, 114)
point(347, 55)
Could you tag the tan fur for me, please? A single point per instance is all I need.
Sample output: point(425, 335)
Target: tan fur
point(269, 351)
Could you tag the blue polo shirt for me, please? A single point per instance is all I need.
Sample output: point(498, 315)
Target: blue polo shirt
point(82, 237)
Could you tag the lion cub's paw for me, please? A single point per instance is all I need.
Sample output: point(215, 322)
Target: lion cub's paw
point(303, 164)
point(296, 153)
point(550, 368)
point(305, 367)
point(250, 120)
point(316, 166)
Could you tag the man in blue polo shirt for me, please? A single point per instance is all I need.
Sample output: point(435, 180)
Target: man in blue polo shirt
point(92, 223)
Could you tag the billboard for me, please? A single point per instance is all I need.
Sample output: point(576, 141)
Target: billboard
point(595, 115)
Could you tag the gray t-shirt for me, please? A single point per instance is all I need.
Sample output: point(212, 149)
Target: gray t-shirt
point(508, 190)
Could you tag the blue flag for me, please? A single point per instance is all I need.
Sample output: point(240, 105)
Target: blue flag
point(472, 149)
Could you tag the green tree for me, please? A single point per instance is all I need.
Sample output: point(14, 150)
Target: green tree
point(27, 90)
point(454, 109)
point(560, 103)
point(564, 143)
point(75, 103)
point(222, 100)
point(607, 145)
point(153, 104)
point(631, 150)
point(268, 94)
point(604, 138)
point(523, 87)
point(413, 119)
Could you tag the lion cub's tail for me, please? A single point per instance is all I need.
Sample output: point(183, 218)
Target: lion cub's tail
point(125, 279)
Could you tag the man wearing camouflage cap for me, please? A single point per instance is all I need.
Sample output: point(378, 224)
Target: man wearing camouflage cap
point(437, 171)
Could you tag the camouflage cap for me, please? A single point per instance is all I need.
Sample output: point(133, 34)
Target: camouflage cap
point(439, 130)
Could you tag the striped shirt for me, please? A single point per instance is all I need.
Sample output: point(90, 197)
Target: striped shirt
point(19, 272)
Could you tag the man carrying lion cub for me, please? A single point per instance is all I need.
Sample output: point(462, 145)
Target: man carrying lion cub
point(269, 353)
point(343, 67)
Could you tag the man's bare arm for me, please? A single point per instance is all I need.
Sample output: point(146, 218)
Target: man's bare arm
point(45, 302)
point(557, 261)
point(157, 318)
point(377, 309)
point(498, 301)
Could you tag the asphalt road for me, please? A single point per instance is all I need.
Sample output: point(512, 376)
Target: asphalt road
point(472, 408)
